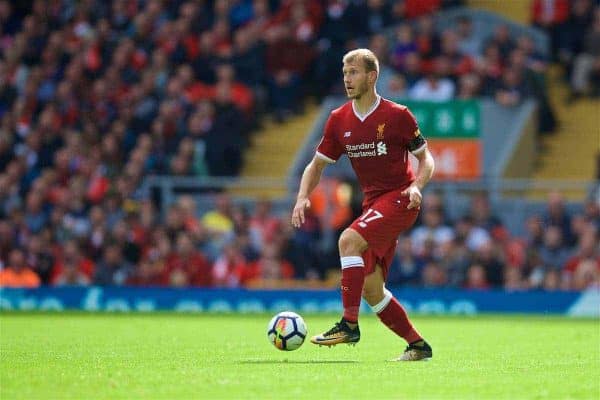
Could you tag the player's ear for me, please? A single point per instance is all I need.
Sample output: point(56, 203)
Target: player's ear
point(373, 76)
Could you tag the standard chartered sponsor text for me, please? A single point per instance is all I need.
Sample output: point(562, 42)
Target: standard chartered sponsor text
point(366, 149)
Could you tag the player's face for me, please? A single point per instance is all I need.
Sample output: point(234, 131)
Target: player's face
point(356, 79)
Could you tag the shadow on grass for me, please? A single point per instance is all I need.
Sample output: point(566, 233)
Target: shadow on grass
point(299, 362)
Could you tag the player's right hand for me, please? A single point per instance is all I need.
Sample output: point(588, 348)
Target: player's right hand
point(302, 204)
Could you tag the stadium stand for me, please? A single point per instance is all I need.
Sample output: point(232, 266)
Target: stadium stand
point(573, 33)
point(97, 96)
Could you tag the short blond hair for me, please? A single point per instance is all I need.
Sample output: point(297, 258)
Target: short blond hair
point(368, 58)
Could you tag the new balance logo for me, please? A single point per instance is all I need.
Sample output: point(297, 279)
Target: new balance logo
point(381, 149)
point(347, 134)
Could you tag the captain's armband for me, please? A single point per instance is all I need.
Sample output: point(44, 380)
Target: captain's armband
point(417, 144)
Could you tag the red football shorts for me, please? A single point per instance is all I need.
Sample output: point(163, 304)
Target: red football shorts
point(380, 224)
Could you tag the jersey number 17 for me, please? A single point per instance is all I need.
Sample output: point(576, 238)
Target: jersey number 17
point(369, 216)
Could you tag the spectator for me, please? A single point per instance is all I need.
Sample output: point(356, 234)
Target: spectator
point(248, 250)
point(432, 229)
point(405, 269)
point(513, 280)
point(535, 232)
point(188, 209)
point(587, 275)
point(502, 39)
point(229, 267)
point(218, 222)
point(512, 90)
point(428, 41)
point(148, 273)
point(186, 266)
point(557, 215)
point(476, 278)
point(70, 275)
point(455, 259)
point(16, 273)
point(405, 44)
point(459, 63)
point(241, 95)
point(371, 16)
point(474, 237)
point(412, 69)
point(583, 268)
point(263, 225)
point(73, 258)
point(434, 87)
point(488, 256)
point(550, 15)
point(552, 281)
point(39, 256)
point(553, 253)
point(416, 8)
point(98, 232)
point(226, 140)
point(112, 269)
point(393, 87)
point(122, 234)
point(531, 67)
point(247, 59)
point(433, 275)
point(490, 67)
point(468, 43)
point(586, 65)
point(533, 60)
point(389, 83)
point(482, 214)
point(572, 32)
point(469, 87)
point(287, 60)
point(269, 269)
point(534, 269)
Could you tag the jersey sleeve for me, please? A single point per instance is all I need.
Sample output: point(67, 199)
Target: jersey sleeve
point(329, 149)
point(415, 142)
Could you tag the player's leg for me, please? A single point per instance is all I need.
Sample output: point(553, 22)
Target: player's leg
point(351, 246)
point(394, 316)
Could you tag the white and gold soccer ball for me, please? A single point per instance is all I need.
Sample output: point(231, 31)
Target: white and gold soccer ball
point(287, 331)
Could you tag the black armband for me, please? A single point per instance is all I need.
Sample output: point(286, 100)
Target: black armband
point(416, 143)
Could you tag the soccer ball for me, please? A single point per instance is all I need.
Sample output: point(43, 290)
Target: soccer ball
point(286, 331)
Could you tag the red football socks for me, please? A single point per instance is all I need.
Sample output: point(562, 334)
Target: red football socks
point(394, 316)
point(353, 278)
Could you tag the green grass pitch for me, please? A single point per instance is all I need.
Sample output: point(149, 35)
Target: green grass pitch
point(47, 356)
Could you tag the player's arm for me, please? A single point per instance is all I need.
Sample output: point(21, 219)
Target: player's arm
point(310, 179)
point(417, 145)
point(425, 169)
point(424, 173)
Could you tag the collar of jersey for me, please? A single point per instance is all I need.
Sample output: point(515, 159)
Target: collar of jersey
point(373, 108)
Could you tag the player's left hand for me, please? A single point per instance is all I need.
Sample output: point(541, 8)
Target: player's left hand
point(414, 195)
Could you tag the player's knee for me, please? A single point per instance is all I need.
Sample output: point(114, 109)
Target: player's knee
point(373, 294)
point(351, 243)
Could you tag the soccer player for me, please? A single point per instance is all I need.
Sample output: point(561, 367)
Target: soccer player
point(376, 134)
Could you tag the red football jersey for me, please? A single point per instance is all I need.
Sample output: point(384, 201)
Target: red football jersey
point(376, 143)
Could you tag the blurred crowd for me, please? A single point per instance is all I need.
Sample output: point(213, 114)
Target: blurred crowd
point(95, 95)
point(574, 29)
point(559, 251)
point(236, 246)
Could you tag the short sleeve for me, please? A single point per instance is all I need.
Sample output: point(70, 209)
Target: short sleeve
point(415, 142)
point(329, 149)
